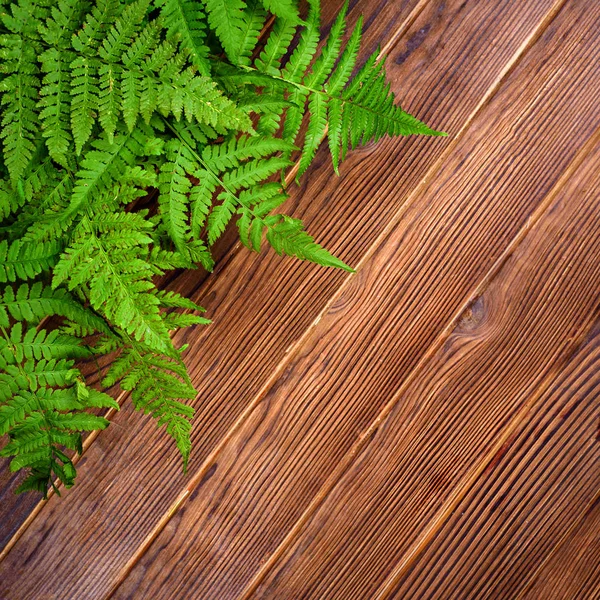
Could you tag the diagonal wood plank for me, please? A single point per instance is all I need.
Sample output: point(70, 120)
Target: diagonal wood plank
point(533, 492)
point(451, 422)
point(573, 571)
point(271, 468)
point(383, 21)
point(117, 493)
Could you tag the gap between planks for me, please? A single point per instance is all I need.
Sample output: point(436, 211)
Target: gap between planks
point(404, 26)
point(294, 348)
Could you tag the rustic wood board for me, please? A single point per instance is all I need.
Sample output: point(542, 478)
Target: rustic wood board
point(573, 571)
point(272, 467)
point(532, 493)
point(455, 418)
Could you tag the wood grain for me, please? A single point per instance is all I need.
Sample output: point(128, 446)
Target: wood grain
point(534, 490)
point(456, 418)
point(131, 477)
point(573, 570)
point(361, 351)
point(392, 19)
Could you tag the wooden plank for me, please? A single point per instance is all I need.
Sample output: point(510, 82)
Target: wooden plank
point(392, 19)
point(103, 499)
point(456, 417)
point(574, 569)
point(534, 491)
point(271, 468)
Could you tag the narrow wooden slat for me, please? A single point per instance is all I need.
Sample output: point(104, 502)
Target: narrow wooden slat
point(361, 351)
point(574, 569)
point(392, 19)
point(533, 492)
point(455, 419)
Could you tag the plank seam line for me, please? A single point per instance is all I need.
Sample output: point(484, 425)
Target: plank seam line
point(295, 348)
point(402, 28)
point(563, 540)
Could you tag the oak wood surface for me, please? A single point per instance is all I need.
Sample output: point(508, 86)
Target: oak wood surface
point(536, 487)
point(268, 472)
point(454, 420)
point(573, 570)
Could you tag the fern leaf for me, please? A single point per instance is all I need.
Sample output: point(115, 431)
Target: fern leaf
point(157, 387)
point(315, 132)
point(228, 155)
point(201, 200)
point(185, 22)
point(174, 186)
point(84, 102)
point(97, 22)
point(39, 344)
point(220, 216)
point(119, 36)
point(32, 303)
point(19, 121)
point(285, 9)
point(109, 99)
point(226, 18)
point(287, 236)
point(254, 20)
point(277, 44)
point(23, 260)
point(55, 103)
point(330, 52)
point(253, 172)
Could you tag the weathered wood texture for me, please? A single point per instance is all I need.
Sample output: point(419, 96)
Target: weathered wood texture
point(546, 473)
point(456, 418)
point(361, 351)
point(383, 22)
point(573, 570)
point(340, 420)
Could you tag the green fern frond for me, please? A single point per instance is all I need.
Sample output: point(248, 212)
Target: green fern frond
point(287, 236)
point(285, 9)
point(226, 18)
point(33, 303)
point(157, 386)
point(185, 23)
point(20, 91)
point(23, 260)
point(112, 269)
point(32, 343)
point(254, 21)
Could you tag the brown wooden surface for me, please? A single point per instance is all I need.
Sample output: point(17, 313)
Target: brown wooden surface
point(573, 570)
point(534, 490)
point(359, 436)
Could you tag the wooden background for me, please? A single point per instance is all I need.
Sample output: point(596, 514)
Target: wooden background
point(425, 428)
